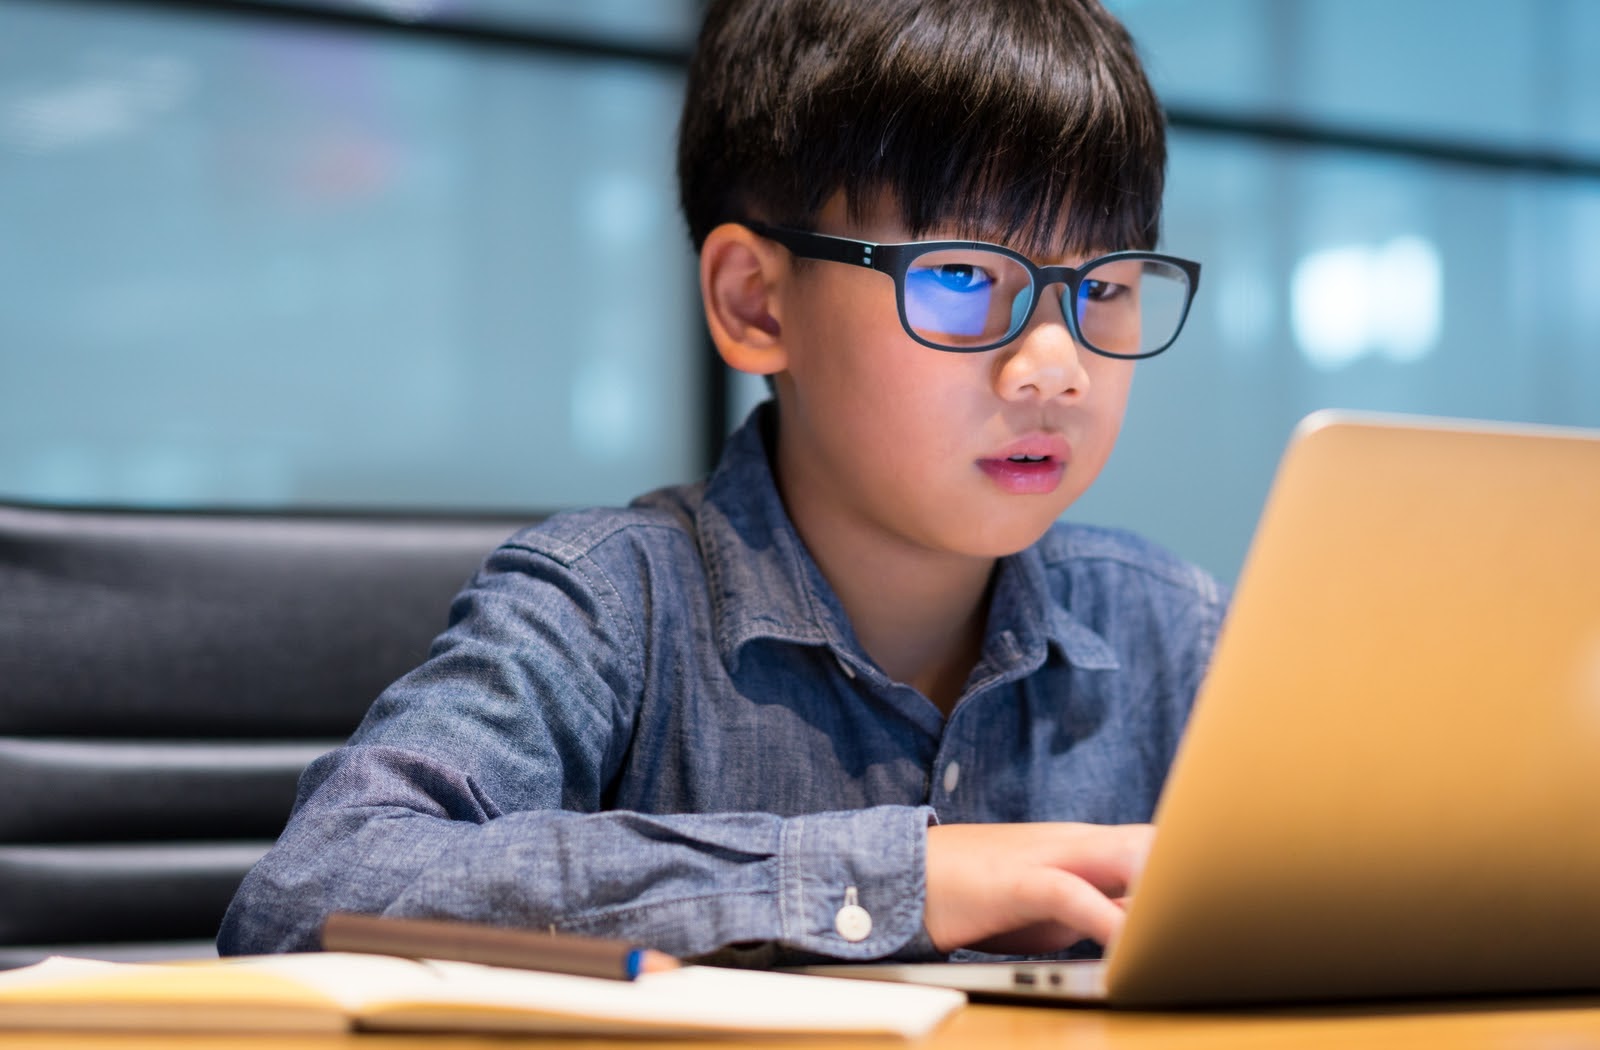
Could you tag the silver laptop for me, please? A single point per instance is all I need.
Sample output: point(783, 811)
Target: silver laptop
point(1390, 785)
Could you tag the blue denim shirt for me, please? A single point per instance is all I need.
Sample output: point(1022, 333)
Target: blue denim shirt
point(657, 723)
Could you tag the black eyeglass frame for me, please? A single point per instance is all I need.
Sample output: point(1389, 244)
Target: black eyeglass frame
point(895, 260)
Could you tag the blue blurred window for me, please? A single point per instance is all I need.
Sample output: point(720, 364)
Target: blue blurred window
point(253, 262)
point(1357, 277)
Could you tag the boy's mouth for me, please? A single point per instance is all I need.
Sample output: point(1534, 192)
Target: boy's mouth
point(1032, 465)
point(1025, 474)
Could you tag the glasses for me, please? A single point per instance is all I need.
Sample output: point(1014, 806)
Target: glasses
point(968, 296)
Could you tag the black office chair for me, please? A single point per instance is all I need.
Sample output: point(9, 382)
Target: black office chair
point(164, 677)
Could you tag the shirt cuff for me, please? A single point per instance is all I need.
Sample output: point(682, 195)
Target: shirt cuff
point(851, 884)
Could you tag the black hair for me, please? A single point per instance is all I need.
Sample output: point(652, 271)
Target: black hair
point(1027, 121)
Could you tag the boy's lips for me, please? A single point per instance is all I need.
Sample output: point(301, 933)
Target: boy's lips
point(1032, 466)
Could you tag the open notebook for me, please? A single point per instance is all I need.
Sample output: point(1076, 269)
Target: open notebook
point(320, 992)
point(1390, 785)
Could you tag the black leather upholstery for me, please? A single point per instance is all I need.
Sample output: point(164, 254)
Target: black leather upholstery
point(163, 679)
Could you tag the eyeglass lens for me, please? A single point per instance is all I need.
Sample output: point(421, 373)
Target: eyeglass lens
point(959, 298)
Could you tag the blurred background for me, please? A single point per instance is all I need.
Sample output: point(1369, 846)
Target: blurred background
point(425, 254)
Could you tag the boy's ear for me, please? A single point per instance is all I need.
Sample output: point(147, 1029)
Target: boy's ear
point(740, 276)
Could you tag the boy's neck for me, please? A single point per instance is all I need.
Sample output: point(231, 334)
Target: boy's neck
point(920, 615)
point(929, 637)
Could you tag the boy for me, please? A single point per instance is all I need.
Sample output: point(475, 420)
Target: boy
point(857, 695)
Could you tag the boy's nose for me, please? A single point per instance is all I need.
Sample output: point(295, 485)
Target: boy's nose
point(1043, 361)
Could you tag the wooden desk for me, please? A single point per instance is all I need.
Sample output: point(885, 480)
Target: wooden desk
point(1567, 1024)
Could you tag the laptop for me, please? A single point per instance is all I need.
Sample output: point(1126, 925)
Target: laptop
point(1390, 784)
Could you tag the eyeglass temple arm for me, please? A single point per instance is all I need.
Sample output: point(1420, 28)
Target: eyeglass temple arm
point(819, 245)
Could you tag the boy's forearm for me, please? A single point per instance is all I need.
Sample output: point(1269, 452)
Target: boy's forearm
point(685, 883)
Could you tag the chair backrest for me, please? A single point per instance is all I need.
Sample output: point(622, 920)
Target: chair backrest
point(164, 677)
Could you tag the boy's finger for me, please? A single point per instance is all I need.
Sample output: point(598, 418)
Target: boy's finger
point(1076, 904)
point(1109, 858)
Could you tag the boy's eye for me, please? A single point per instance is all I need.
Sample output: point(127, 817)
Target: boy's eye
point(961, 277)
point(1101, 291)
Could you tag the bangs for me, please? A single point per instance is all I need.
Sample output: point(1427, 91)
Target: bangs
point(1028, 122)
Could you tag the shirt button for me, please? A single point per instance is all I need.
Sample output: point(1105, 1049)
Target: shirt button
point(844, 665)
point(952, 777)
point(853, 922)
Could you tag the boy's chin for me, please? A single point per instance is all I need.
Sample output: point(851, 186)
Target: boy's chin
point(1001, 540)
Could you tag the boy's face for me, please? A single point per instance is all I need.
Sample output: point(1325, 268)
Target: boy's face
point(882, 438)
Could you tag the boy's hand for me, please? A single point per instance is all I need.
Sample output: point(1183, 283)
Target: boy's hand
point(1029, 888)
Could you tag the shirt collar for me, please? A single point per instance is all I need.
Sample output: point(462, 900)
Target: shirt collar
point(764, 583)
point(1026, 617)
